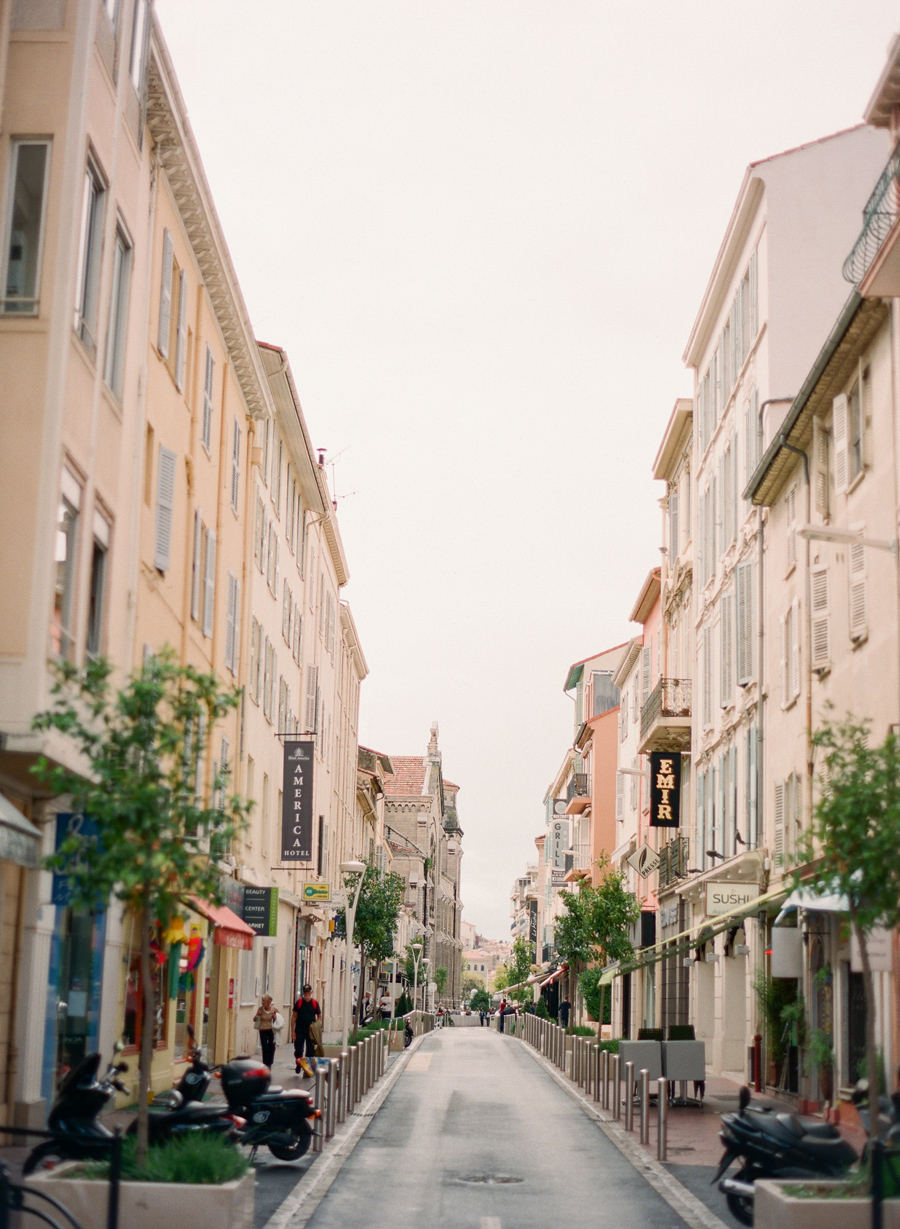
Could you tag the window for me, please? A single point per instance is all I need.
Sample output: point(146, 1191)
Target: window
point(165, 503)
point(312, 698)
point(743, 588)
point(97, 597)
point(298, 635)
point(820, 648)
point(272, 562)
point(209, 584)
point(673, 525)
point(849, 422)
point(65, 556)
point(790, 655)
point(821, 458)
point(726, 649)
point(259, 535)
point(311, 575)
point(330, 623)
point(235, 466)
point(707, 676)
point(181, 331)
point(118, 314)
point(284, 703)
point(206, 428)
point(165, 297)
point(276, 479)
point(25, 226)
point(89, 247)
point(255, 659)
point(858, 589)
point(267, 448)
point(646, 664)
point(287, 610)
point(139, 34)
point(232, 623)
point(856, 427)
point(196, 566)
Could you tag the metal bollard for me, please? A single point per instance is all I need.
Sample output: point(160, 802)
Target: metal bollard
point(645, 1106)
point(662, 1098)
point(595, 1076)
point(629, 1096)
point(351, 1080)
point(331, 1081)
point(367, 1065)
point(319, 1136)
point(616, 1086)
point(342, 1087)
point(604, 1079)
point(370, 1062)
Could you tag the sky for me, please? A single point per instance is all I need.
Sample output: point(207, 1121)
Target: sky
point(482, 229)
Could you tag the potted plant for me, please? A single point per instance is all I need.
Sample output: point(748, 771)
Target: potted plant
point(820, 1058)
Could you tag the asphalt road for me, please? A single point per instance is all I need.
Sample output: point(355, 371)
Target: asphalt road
point(475, 1135)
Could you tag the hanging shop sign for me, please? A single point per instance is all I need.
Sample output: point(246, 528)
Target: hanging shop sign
point(665, 789)
point(261, 910)
point(533, 925)
point(723, 897)
point(560, 832)
point(297, 802)
point(316, 893)
point(644, 860)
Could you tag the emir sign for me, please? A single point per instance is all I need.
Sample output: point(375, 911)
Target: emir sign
point(297, 802)
point(723, 897)
point(665, 789)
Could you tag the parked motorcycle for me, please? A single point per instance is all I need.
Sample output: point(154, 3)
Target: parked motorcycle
point(181, 1109)
point(277, 1118)
point(773, 1144)
point(74, 1115)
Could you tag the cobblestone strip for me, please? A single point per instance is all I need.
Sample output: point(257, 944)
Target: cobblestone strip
point(694, 1213)
point(301, 1203)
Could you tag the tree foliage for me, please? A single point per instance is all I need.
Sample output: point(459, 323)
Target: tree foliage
point(480, 1000)
point(470, 982)
point(376, 919)
point(441, 974)
point(158, 828)
point(852, 846)
point(516, 970)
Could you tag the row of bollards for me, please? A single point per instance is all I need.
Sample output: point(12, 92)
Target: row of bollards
point(601, 1075)
point(341, 1083)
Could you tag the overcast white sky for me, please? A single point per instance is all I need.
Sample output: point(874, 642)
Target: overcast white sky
point(481, 229)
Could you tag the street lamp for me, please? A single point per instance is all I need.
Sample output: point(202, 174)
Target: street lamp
point(425, 960)
point(416, 949)
point(350, 868)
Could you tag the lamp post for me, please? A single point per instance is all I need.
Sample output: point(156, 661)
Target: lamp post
point(350, 868)
point(416, 949)
point(426, 960)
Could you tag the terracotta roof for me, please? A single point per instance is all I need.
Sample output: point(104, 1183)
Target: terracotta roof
point(407, 778)
point(449, 784)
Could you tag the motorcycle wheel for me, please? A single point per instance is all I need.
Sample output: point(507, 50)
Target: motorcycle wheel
point(741, 1208)
point(299, 1148)
point(45, 1156)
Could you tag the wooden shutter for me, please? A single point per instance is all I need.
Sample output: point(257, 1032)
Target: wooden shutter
point(841, 412)
point(726, 646)
point(735, 486)
point(699, 538)
point(858, 593)
point(820, 467)
point(311, 698)
point(165, 297)
point(732, 799)
point(231, 623)
point(645, 673)
point(209, 584)
point(620, 796)
point(820, 647)
point(754, 299)
point(298, 635)
point(778, 844)
point(165, 503)
point(743, 588)
point(332, 622)
point(196, 564)
point(707, 676)
point(673, 528)
point(791, 505)
point(254, 656)
point(701, 818)
point(752, 789)
point(235, 465)
point(784, 622)
point(795, 649)
point(209, 377)
point(181, 340)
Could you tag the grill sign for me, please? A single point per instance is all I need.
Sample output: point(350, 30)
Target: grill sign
point(297, 802)
point(665, 789)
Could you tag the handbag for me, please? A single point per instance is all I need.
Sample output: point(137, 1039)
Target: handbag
point(278, 1022)
point(256, 1023)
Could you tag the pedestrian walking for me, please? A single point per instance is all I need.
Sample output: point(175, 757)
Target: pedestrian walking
point(266, 1021)
point(384, 1007)
point(306, 1013)
point(500, 1020)
point(564, 1008)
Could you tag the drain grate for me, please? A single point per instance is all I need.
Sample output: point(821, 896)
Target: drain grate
point(490, 1180)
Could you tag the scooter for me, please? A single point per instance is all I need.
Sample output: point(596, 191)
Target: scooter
point(74, 1116)
point(773, 1144)
point(181, 1109)
point(277, 1118)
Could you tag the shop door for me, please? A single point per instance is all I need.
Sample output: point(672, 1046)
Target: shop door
point(856, 1027)
point(77, 956)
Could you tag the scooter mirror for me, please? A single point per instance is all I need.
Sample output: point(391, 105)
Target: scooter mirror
point(119, 1046)
point(121, 1066)
point(190, 1031)
point(743, 1098)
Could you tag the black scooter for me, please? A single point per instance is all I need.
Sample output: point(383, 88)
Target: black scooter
point(74, 1114)
point(181, 1109)
point(277, 1118)
point(773, 1144)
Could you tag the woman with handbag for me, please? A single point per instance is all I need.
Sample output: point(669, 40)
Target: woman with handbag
point(268, 1021)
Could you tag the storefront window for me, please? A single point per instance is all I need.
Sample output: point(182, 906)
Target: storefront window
point(132, 1030)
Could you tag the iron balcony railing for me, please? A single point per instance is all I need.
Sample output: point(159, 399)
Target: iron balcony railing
point(578, 787)
point(582, 852)
point(669, 698)
point(879, 215)
point(673, 861)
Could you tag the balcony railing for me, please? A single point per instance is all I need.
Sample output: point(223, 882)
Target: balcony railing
point(582, 859)
point(673, 861)
point(669, 698)
point(879, 215)
point(578, 787)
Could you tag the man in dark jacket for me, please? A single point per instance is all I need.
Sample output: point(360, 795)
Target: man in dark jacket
point(306, 1012)
point(564, 1008)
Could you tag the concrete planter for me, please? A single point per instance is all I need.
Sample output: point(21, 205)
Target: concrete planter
point(773, 1209)
point(147, 1205)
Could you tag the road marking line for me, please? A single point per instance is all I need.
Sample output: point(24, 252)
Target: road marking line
point(419, 1062)
point(694, 1213)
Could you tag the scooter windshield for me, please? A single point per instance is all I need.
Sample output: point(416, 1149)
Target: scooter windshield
point(84, 1073)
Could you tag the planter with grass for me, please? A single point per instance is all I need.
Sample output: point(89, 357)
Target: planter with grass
point(199, 1172)
point(791, 1204)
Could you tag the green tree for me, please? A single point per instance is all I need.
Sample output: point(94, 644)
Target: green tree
point(852, 846)
point(441, 974)
point(470, 982)
point(516, 970)
point(480, 1000)
point(376, 921)
point(143, 747)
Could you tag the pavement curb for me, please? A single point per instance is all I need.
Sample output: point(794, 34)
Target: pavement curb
point(304, 1199)
point(694, 1213)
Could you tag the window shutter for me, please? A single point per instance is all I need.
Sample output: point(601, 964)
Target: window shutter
point(701, 819)
point(715, 527)
point(820, 639)
point(707, 676)
point(209, 376)
point(311, 690)
point(254, 656)
point(181, 342)
point(858, 595)
point(841, 413)
point(791, 503)
point(732, 799)
point(165, 297)
point(752, 786)
point(700, 540)
point(795, 649)
point(743, 585)
point(645, 673)
point(298, 635)
point(286, 613)
point(820, 467)
point(673, 527)
point(165, 503)
point(257, 677)
point(235, 465)
point(784, 622)
point(196, 564)
point(778, 846)
point(231, 623)
point(332, 621)
point(209, 588)
point(726, 646)
point(735, 486)
point(620, 796)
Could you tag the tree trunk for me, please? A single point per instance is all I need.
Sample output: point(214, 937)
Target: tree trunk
point(146, 1032)
point(871, 1049)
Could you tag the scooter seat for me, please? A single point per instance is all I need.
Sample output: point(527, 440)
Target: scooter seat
point(275, 1090)
point(809, 1127)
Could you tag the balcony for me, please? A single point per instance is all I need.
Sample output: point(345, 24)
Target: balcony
point(582, 858)
point(578, 793)
point(673, 862)
point(876, 250)
point(666, 717)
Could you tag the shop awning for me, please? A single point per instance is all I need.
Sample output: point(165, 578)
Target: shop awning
point(20, 840)
point(229, 929)
point(803, 898)
point(548, 981)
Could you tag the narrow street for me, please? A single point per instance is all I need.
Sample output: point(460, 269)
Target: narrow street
point(475, 1135)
